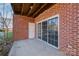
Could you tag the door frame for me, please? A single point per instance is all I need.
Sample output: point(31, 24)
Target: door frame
point(29, 30)
point(57, 15)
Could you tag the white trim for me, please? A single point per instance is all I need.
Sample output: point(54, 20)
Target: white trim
point(58, 32)
point(36, 31)
point(41, 31)
point(48, 18)
point(31, 30)
point(47, 29)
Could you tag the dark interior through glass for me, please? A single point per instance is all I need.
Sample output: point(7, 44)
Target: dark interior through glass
point(44, 30)
point(50, 27)
point(53, 31)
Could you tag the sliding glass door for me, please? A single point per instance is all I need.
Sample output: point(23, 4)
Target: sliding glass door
point(48, 31)
point(44, 30)
point(53, 31)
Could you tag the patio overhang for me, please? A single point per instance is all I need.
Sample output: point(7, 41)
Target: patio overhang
point(30, 9)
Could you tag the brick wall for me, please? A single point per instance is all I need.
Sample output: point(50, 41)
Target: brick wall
point(77, 11)
point(20, 27)
point(68, 26)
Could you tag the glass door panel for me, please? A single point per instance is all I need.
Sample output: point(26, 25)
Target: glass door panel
point(44, 30)
point(53, 31)
point(56, 31)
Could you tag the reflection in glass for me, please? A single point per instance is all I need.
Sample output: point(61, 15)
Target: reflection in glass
point(49, 31)
point(53, 31)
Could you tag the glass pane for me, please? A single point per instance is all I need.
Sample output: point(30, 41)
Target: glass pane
point(44, 30)
point(56, 43)
point(56, 31)
point(53, 31)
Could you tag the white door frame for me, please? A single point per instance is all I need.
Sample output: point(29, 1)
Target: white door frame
point(47, 29)
point(31, 30)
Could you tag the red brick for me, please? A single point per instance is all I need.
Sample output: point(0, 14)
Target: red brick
point(68, 25)
point(20, 27)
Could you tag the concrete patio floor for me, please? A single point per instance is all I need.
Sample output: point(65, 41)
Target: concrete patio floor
point(33, 47)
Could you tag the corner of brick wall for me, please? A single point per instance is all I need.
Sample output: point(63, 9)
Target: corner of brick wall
point(20, 27)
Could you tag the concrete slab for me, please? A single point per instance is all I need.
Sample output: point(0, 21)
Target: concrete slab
point(33, 47)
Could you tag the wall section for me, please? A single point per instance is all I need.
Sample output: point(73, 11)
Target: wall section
point(68, 26)
point(20, 27)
